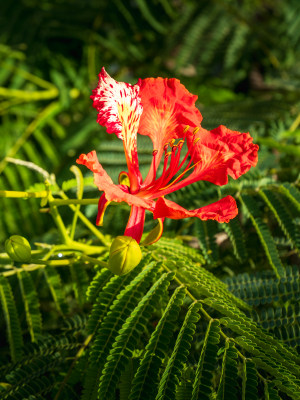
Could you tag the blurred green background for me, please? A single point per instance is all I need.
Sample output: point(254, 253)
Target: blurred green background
point(241, 57)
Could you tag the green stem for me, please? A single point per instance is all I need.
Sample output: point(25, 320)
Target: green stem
point(80, 185)
point(29, 96)
point(23, 195)
point(74, 246)
point(87, 223)
point(40, 264)
point(68, 202)
point(59, 222)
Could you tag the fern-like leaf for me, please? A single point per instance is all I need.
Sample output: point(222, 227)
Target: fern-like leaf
point(173, 370)
point(11, 317)
point(31, 304)
point(282, 215)
point(249, 381)
point(101, 278)
point(236, 236)
point(229, 376)
point(123, 304)
point(56, 288)
point(128, 336)
point(292, 193)
point(271, 392)
point(202, 387)
point(145, 382)
point(237, 321)
point(264, 287)
point(105, 299)
point(264, 235)
point(203, 283)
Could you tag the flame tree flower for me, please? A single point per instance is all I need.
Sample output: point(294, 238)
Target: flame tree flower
point(164, 110)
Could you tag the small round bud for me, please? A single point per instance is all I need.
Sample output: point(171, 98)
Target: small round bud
point(18, 248)
point(124, 255)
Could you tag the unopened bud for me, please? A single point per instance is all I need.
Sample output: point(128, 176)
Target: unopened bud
point(124, 255)
point(18, 248)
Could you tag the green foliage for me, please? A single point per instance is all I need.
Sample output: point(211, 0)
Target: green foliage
point(11, 319)
point(173, 370)
point(207, 362)
point(229, 375)
point(212, 311)
point(31, 305)
point(265, 236)
point(128, 336)
point(249, 379)
point(146, 379)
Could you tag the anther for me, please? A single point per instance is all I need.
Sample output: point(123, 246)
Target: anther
point(172, 141)
point(180, 143)
point(196, 130)
point(196, 140)
point(174, 148)
point(186, 129)
point(166, 147)
point(168, 154)
point(154, 152)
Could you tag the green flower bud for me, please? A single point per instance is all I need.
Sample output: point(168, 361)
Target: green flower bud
point(18, 248)
point(124, 255)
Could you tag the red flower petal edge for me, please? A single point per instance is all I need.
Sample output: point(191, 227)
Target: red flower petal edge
point(222, 210)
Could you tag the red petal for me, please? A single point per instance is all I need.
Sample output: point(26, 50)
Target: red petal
point(102, 205)
point(222, 210)
point(119, 110)
point(218, 153)
point(168, 107)
point(103, 181)
point(135, 224)
point(222, 152)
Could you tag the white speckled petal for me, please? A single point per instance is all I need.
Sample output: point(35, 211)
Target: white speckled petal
point(119, 110)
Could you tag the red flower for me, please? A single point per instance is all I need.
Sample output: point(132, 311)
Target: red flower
point(164, 110)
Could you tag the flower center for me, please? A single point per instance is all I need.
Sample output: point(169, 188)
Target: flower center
point(172, 164)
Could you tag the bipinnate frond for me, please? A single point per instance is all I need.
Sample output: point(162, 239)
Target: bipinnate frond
point(264, 235)
point(173, 370)
point(128, 336)
point(229, 374)
point(202, 282)
point(100, 280)
point(249, 381)
point(265, 287)
point(237, 238)
point(202, 386)
point(121, 306)
point(283, 215)
point(31, 304)
point(145, 381)
point(10, 313)
point(56, 288)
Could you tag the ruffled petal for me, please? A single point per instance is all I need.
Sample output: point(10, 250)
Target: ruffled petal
point(218, 154)
point(222, 210)
point(119, 110)
point(102, 180)
point(222, 152)
point(168, 107)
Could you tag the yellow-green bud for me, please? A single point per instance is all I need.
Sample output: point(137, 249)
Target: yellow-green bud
point(124, 255)
point(18, 248)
